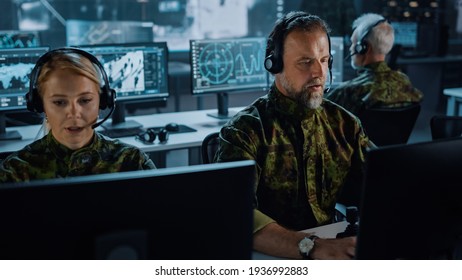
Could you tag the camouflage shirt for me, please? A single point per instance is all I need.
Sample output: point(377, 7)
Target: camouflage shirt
point(46, 158)
point(304, 158)
point(376, 85)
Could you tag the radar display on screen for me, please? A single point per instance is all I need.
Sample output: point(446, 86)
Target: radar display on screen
point(223, 65)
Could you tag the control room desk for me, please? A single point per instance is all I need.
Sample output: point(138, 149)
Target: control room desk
point(181, 148)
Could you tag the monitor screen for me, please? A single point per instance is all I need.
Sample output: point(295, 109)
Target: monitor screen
point(18, 39)
point(136, 72)
point(221, 66)
point(84, 32)
point(337, 52)
point(15, 68)
point(190, 212)
point(412, 194)
point(178, 21)
point(406, 34)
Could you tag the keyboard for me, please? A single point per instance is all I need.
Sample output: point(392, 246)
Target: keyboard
point(118, 133)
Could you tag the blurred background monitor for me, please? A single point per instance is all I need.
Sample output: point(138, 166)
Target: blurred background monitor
point(83, 32)
point(222, 66)
point(15, 68)
point(406, 34)
point(178, 21)
point(337, 51)
point(178, 213)
point(18, 39)
point(137, 72)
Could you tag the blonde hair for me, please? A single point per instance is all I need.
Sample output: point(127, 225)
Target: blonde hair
point(73, 62)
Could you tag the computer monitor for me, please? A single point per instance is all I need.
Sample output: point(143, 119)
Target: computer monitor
point(337, 51)
point(85, 32)
point(412, 202)
point(19, 39)
point(406, 34)
point(190, 212)
point(222, 66)
point(137, 72)
point(15, 68)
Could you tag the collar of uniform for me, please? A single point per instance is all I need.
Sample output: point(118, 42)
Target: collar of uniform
point(380, 66)
point(288, 106)
point(64, 152)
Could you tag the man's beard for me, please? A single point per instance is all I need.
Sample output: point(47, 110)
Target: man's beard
point(305, 97)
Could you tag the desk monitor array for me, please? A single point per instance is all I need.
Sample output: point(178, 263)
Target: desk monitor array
point(222, 66)
point(15, 67)
point(412, 202)
point(193, 212)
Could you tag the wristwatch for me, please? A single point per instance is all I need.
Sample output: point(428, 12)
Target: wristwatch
point(306, 245)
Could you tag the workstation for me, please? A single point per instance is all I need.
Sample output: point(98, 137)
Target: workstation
point(168, 114)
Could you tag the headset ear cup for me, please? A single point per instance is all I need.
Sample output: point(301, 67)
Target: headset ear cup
point(272, 64)
point(149, 136)
point(33, 101)
point(107, 98)
point(163, 135)
point(269, 63)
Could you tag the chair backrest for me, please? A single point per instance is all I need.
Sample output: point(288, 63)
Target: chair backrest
point(389, 126)
point(209, 147)
point(445, 126)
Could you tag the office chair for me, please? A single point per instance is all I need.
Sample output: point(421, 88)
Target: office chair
point(393, 55)
point(445, 126)
point(389, 126)
point(209, 147)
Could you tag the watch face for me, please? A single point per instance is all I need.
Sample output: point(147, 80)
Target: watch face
point(305, 246)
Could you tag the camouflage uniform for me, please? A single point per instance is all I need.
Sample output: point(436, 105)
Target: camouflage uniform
point(303, 156)
point(377, 85)
point(47, 158)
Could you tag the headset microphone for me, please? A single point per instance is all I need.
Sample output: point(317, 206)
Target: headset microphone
point(350, 55)
point(105, 118)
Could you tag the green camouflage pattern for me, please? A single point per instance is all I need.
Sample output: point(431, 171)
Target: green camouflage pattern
point(377, 85)
point(46, 158)
point(304, 157)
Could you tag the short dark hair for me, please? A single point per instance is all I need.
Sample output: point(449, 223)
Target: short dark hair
point(295, 20)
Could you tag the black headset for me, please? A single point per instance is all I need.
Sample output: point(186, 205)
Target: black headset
point(274, 49)
point(362, 45)
point(150, 135)
point(33, 99)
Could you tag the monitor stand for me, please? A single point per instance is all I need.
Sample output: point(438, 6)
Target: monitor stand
point(222, 102)
point(7, 135)
point(119, 124)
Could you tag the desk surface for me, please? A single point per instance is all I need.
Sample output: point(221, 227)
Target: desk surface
point(456, 92)
point(198, 120)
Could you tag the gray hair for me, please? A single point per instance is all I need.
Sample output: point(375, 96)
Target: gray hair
point(381, 37)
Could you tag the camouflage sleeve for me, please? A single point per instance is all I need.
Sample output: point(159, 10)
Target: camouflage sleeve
point(147, 162)
point(351, 191)
point(8, 173)
point(237, 145)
